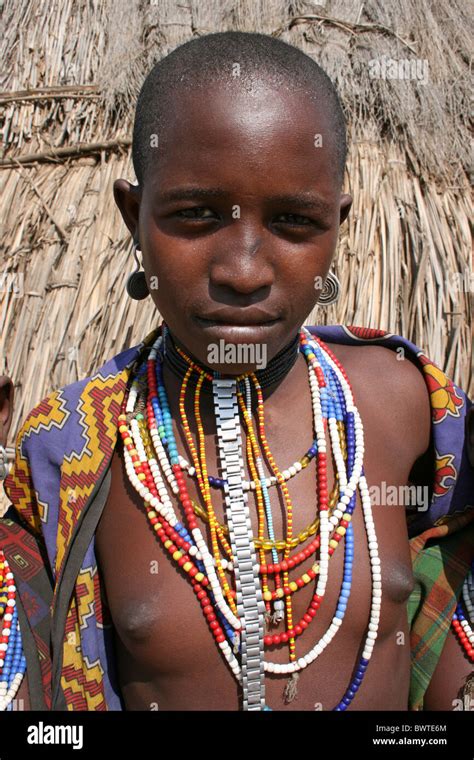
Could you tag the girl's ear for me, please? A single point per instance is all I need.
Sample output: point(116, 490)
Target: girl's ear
point(128, 197)
point(345, 207)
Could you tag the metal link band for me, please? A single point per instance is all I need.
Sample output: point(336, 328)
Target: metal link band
point(250, 604)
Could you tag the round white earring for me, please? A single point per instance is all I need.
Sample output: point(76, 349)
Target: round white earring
point(331, 290)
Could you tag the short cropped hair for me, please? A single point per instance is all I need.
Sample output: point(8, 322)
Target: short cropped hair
point(210, 60)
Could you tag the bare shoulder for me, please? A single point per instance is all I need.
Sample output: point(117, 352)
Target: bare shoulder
point(391, 371)
point(389, 384)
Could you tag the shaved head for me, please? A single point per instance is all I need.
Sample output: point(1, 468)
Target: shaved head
point(244, 61)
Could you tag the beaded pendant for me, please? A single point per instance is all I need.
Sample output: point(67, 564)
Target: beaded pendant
point(236, 607)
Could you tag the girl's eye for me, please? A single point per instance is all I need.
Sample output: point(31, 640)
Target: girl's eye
point(295, 219)
point(196, 212)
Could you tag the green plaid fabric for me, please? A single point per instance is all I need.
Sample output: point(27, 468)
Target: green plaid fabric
point(441, 558)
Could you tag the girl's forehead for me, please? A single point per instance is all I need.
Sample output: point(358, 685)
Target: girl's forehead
point(253, 126)
point(247, 140)
point(250, 106)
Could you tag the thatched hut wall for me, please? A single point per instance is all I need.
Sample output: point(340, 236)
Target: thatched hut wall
point(73, 70)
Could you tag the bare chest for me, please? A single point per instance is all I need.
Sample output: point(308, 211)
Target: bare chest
point(166, 653)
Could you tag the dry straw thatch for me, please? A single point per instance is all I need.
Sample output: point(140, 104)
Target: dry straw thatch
point(73, 71)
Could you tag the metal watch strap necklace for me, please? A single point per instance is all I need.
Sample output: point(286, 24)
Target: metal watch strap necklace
point(234, 582)
point(250, 605)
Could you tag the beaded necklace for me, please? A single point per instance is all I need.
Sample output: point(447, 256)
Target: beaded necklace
point(236, 608)
point(463, 624)
point(12, 659)
point(278, 367)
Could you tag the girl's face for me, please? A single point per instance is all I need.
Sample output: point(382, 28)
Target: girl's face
point(238, 220)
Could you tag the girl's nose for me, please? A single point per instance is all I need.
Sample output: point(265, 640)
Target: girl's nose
point(243, 266)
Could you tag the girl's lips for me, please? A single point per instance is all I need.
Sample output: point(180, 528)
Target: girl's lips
point(243, 321)
point(233, 333)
